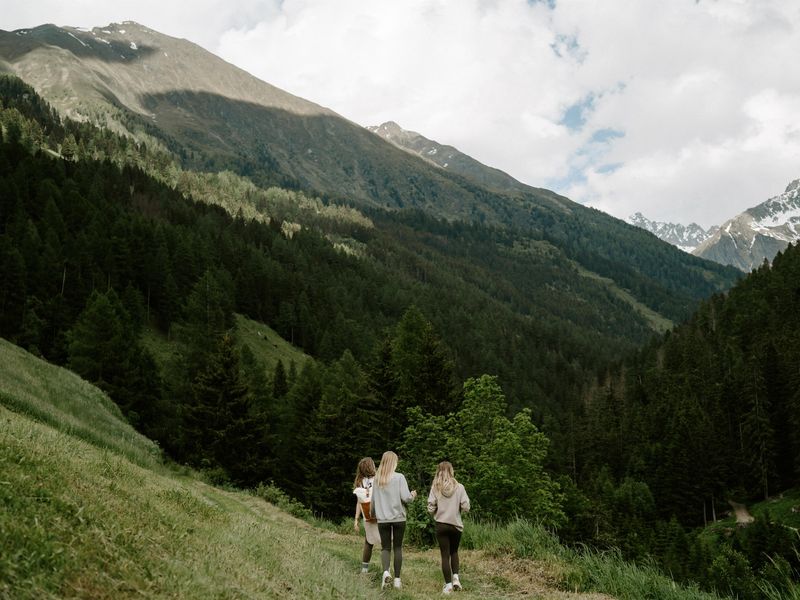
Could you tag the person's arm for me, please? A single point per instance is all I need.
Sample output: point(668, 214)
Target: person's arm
point(358, 514)
point(432, 504)
point(464, 504)
point(405, 495)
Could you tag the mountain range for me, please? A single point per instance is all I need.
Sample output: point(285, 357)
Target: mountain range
point(685, 237)
point(745, 241)
point(514, 257)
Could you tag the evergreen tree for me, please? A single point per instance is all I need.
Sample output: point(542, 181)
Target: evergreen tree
point(13, 291)
point(222, 428)
point(757, 431)
point(280, 384)
point(341, 434)
point(99, 343)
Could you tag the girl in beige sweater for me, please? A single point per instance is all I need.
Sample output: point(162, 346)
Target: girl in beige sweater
point(446, 501)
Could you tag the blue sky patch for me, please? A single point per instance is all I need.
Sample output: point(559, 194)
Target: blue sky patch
point(575, 116)
point(604, 135)
point(608, 168)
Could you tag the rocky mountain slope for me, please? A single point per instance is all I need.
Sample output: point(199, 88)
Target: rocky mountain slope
point(447, 157)
point(757, 234)
point(685, 237)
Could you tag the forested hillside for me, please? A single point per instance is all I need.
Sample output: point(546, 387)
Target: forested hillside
point(707, 415)
point(94, 252)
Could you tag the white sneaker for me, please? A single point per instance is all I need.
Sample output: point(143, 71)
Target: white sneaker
point(456, 583)
point(364, 570)
point(386, 579)
point(447, 589)
point(397, 584)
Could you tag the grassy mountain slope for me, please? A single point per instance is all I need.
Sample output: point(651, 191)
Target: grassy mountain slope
point(82, 520)
point(68, 403)
point(215, 116)
point(266, 345)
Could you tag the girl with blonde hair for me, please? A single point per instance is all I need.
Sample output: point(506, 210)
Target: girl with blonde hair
point(446, 501)
point(365, 477)
point(389, 497)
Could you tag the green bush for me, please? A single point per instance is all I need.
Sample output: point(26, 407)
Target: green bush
point(282, 500)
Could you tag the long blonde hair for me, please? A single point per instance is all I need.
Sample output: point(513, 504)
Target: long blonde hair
point(386, 468)
point(444, 483)
point(366, 468)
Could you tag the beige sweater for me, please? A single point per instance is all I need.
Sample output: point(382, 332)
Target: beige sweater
point(448, 509)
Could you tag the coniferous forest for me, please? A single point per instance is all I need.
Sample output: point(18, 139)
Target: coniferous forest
point(607, 433)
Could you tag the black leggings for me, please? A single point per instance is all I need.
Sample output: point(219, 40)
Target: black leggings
point(366, 554)
point(449, 537)
point(392, 538)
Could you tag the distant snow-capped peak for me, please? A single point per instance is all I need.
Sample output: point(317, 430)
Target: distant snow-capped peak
point(685, 237)
point(757, 234)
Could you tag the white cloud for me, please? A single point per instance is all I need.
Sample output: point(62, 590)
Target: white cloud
point(702, 95)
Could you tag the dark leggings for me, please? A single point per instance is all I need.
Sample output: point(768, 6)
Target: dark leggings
point(366, 555)
point(449, 537)
point(392, 539)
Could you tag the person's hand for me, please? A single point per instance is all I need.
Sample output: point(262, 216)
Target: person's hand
point(413, 494)
point(355, 525)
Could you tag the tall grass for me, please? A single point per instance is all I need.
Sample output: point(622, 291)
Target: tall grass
point(78, 521)
point(578, 570)
point(63, 400)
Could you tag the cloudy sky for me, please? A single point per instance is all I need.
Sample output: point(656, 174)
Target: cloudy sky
point(685, 110)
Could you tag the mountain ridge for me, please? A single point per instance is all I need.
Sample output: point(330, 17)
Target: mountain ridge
point(447, 157)
point(685, 237)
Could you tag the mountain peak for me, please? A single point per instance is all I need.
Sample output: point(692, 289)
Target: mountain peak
point(758, 233)
point(387, 129)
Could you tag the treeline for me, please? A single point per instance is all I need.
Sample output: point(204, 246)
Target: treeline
point(707, 415)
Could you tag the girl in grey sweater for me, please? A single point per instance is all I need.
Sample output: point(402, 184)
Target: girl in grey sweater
point(446, 501)
point(389, 496)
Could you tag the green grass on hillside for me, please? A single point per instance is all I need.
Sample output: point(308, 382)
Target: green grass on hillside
point(783, 508)
point(657, 321)
point(63, 400)
point(267, 346)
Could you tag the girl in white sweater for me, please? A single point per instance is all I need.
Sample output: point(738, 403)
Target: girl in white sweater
point(365, 476)
point(389, 497)
point(446, 501)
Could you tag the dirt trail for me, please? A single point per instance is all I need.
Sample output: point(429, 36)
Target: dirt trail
point(743, 516)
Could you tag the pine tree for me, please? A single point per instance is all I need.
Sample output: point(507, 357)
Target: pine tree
point(279, 383)
point(99, 344)
point(340, 436)
point(223, 429)
point(758, 432)
point(13, 289)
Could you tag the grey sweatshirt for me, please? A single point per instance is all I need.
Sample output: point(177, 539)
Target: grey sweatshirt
point(388, 502)
point(448, 509)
